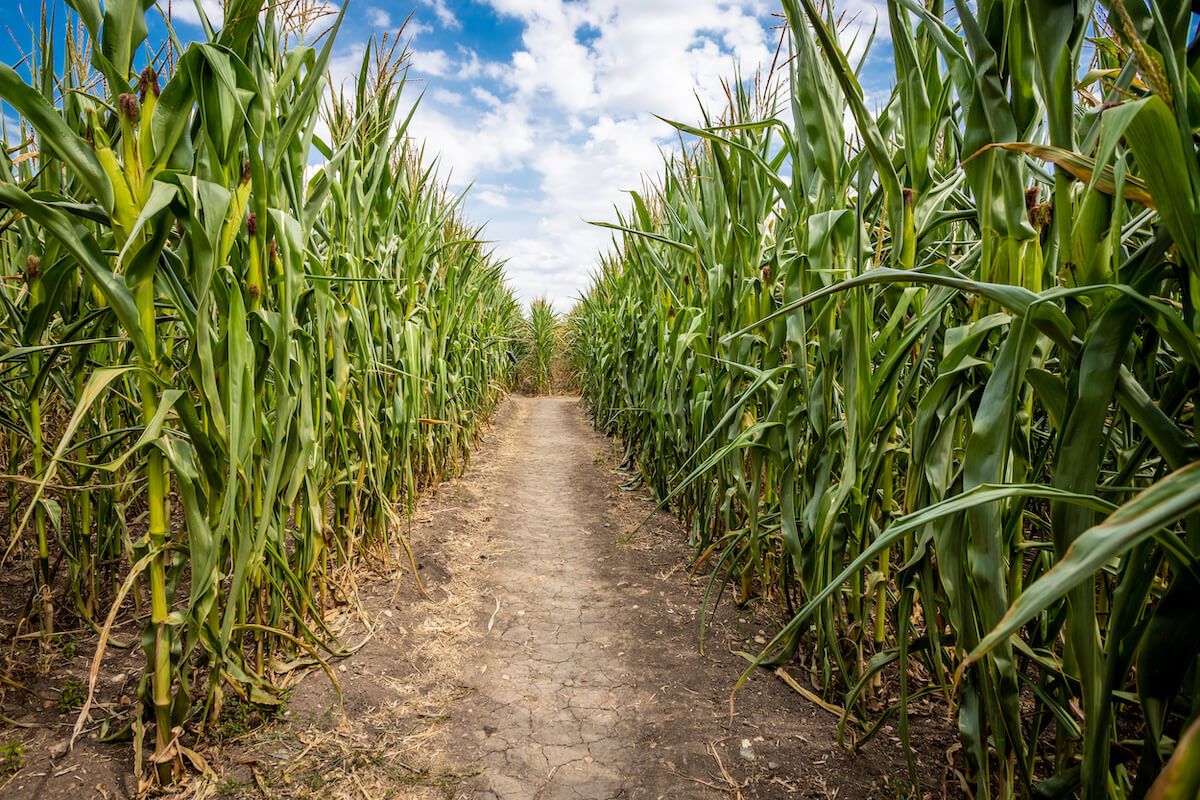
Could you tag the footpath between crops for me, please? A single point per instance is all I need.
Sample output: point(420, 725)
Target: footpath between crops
point(553, 655)
point(578, 667)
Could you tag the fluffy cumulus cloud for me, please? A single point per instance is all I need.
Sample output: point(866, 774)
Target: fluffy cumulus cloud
point(431, 62)
point(306, 17)
point(185, 11)
point(378, 17)
point(561, 124)
point(547, 108)
point(441, 10)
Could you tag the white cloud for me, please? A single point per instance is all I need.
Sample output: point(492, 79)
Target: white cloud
point(345, 63)
point(378, 18)
point(430, 62)
point(12, 132)
point(299, 20)
point(415, 28)
point(443, 13)
point(446, 97)
point(471, 67)
point(491, 198)
point(185, 11)
point(500, 140)
point(343, 67)
point(487, 98)
point(563, 127)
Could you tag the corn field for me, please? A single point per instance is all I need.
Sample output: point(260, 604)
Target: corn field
point(541, 346)
point(225, 373)
point(922, 380)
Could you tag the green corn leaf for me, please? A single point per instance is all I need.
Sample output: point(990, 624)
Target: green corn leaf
point(1154, 509)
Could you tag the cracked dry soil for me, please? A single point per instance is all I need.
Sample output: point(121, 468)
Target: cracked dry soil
point(562, 680)
point(587, 681)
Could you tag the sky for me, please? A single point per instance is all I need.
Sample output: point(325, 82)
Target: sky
point(546, 109)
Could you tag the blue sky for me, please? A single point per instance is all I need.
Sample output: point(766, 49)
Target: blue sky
point(547, 106)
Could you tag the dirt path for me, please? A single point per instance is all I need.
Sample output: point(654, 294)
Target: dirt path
point(563, 681)
point(586, 680)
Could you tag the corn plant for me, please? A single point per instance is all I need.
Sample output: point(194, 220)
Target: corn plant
point(225, 373)
point(923, 380)
point(539, 344)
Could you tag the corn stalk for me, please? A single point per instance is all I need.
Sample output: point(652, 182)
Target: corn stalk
point(225, 372)
point(923, 382)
